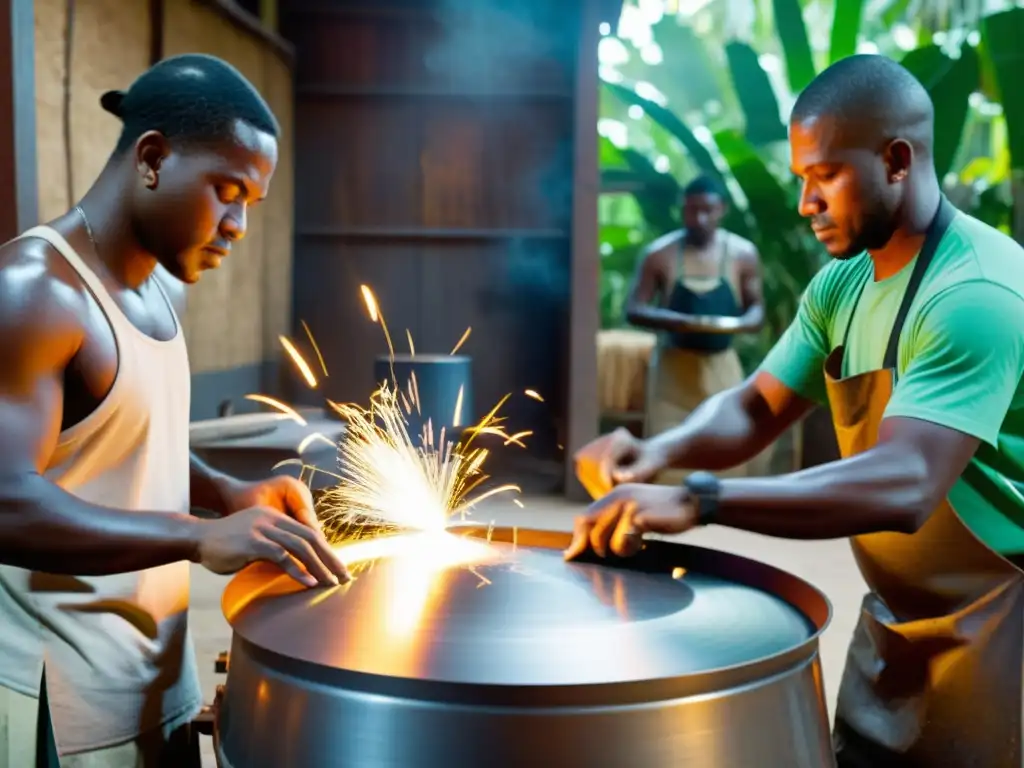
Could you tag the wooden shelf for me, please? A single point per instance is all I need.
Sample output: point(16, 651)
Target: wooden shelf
point(430, 233)
point(359, 12)
point(245, 21)
point(415, 92)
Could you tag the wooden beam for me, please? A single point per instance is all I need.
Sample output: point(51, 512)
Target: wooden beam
point(18, 184)
point(247, 22)
point(156, 31)
point(269, 14)
point(584, 416)
point(478, 234)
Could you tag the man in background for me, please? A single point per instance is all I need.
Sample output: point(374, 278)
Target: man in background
point(696, 287)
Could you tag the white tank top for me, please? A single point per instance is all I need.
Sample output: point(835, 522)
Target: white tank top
point(118, 655)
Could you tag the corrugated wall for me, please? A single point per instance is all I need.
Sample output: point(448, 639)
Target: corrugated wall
point(236, 313)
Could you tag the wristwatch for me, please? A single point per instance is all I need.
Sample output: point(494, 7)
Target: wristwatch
point(704, 488)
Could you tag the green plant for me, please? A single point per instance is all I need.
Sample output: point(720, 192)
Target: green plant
point(725, 117)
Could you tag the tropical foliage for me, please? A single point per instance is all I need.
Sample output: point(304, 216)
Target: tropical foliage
point(705, 86)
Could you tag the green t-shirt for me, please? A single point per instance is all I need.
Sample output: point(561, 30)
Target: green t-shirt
point(960, 360)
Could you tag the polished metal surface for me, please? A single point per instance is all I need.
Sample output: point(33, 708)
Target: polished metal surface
point(501, 652)
point(720, 324)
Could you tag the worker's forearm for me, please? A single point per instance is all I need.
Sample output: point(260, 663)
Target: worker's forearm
point(727, 429)
point(44, 528)
point(753, 318)
point(867, 493)
point(208, 486)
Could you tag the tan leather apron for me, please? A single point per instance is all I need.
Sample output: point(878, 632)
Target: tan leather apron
point(933, 673)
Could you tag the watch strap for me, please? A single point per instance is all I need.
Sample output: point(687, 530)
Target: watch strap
point(704, 488)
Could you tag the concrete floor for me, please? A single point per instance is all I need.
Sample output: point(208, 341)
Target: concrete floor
point(828, 565)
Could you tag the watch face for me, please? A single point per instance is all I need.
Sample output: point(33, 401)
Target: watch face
point(702, 483)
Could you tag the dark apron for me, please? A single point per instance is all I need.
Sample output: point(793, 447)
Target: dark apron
point(720, 301)
point(933, 673)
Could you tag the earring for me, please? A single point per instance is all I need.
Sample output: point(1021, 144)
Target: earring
point(150, 179)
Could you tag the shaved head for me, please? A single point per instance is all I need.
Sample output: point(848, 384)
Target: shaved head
point(870, 98)
point(861, 136)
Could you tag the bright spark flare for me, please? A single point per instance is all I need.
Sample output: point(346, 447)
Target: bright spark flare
point(388, 479)
point(309, 335)
point(465, 335)
point(457, 416)
point(287, 410)
point(371, 302)
point(300, 363)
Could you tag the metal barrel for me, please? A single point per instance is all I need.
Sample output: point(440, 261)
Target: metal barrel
point(435, 382)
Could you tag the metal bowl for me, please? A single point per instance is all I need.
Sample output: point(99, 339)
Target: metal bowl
point(465, 653)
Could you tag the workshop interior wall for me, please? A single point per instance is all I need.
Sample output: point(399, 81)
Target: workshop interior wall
point(435, 153)
point(236, 313)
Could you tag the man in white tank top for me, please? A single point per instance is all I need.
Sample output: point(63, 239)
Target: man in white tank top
point(96, 477)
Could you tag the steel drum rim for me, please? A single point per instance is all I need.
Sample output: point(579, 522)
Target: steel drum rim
point(656, 556)
point(618, 693)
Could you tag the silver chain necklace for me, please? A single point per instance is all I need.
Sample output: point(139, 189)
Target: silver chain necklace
point(88, 229)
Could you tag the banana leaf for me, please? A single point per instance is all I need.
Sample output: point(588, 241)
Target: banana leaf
point(617, 180)
point(686, 75)
point(617, 237)
point(623, 260)
point(789, 24)
point(658, 198)
point(613, 289)
point(950, 82)
point(734, 220)
point(779, 226)
point(754, 90)
point(845, 29)
point(989, 85)
point(894, 12)
point(670, 122)
point(1001, 36)
point(608, 155)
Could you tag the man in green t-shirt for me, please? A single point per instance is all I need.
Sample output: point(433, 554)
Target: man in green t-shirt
point(914, 337)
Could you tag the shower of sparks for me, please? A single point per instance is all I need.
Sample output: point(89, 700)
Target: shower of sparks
point(390, 480)
point(532, 393)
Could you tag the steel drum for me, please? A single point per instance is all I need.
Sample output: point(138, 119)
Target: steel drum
point(477, 652)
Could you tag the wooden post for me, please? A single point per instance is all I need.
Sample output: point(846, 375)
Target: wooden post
point(19, 197)
point(156, 31)
point(268, 14)
point(584, 313)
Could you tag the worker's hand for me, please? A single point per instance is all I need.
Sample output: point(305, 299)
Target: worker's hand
point(286, 494)
point(617, 458)
point(618, 521)
point(230, 543)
